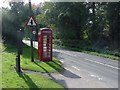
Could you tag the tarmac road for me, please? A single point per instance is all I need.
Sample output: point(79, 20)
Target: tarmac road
point(84, 70)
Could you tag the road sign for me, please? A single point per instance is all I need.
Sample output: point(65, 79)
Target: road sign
point(31, 22)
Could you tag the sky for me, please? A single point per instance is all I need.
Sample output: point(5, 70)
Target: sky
point(5, 2)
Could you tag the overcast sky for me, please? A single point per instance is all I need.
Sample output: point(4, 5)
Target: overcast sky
point(5, 2)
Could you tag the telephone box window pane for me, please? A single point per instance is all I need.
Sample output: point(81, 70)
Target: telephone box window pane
point(45, 54)
point(44, 45)
point(44, 39)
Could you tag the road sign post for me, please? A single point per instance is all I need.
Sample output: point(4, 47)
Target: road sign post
point(32, 50)
point(31, 22)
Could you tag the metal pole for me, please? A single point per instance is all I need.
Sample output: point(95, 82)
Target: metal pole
point(31, 40)
point(19, 46)
point(30, 9)
point(18, 63)
point(32, 52)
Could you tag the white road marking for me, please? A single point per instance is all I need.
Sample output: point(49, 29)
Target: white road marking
point(72, 72)
point(62, 61)
point(102, 64)
point(85, 59)
point(64, 52)
point(88, 59)
point(92, 75)
point(76, 68)
point(99, 78)
point(96, 77)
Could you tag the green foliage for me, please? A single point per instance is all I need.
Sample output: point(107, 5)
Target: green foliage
point(113, 14)
point(85, 46)
point(97, 27)
point(66, 19)
point(13, 19)
point(9, 31)
point(92, 23)
point(83, 21)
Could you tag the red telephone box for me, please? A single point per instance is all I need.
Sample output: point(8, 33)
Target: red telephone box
point(45, 44)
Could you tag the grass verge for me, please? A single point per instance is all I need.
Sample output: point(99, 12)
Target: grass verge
point(0, 66)
point(97, 53)
point(11, 79)
point(44, 67)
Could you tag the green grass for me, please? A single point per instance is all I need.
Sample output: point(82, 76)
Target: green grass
point(11, 79)
point(102, 55)
point(43, 67)
point(47, 67)
point(111, 55)
point(0, 65)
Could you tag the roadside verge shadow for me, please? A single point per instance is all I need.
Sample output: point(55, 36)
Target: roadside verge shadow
point(28, 81)
point(68, 74)
point(62, 82)
point(64, 72)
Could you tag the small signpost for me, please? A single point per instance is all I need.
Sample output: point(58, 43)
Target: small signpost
point(31, 22)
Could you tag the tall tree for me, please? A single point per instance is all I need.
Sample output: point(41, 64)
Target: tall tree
point(13, 19)
point(114, 23)
point(68, 18)
point(97, 25)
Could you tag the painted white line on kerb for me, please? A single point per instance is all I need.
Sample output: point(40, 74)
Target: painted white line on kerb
point(102, 64)
point(76, 68)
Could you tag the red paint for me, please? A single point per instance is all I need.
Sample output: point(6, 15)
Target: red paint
point(45, 44)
